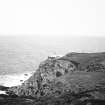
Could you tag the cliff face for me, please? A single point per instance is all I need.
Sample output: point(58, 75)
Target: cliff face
point(74, 73)
point(43, 80)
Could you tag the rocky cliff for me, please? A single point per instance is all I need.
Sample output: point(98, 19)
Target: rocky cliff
point(81, 75)
point(43, 80)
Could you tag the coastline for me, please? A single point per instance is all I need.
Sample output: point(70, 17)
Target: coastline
point(14, 79)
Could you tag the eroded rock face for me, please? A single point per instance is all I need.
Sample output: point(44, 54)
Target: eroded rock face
point(43, 81)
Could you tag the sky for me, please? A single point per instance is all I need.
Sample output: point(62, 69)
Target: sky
point(53, 25)
point(52, 17)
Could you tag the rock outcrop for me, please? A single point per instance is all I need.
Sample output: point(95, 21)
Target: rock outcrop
point(43, 80)
point(81, 75)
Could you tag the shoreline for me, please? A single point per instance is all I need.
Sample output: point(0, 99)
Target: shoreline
point(14, 79)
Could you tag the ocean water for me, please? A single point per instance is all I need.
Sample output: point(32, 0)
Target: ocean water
point(21, 54)
point(14, 79)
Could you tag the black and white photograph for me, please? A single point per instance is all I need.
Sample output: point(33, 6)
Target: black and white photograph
point(52, 52)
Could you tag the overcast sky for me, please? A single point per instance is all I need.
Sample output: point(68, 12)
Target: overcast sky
point(52, 17)
point(54, 22)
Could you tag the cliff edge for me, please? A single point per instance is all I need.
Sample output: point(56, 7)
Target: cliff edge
point(81, 75)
